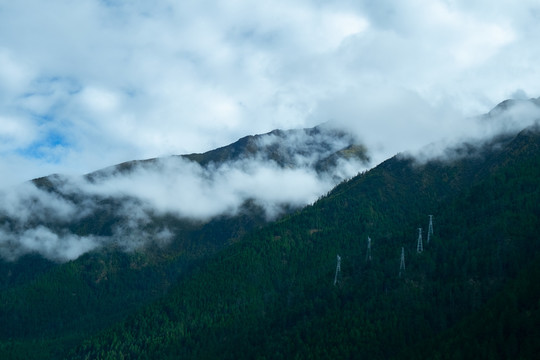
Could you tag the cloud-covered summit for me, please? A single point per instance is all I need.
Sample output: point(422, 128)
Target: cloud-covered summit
point(506, 119)
point(62, 217)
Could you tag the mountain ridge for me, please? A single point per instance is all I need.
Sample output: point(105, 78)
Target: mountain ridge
point(254, 146)
point(269, 292)
point(272, 295)
point(133, 193)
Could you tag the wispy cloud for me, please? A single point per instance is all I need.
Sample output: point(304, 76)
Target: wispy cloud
point(282, 170)
point(508, 118)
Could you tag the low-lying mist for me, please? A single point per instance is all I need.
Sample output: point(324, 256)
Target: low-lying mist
point(280, 170)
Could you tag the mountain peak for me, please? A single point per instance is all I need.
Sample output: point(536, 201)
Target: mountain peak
point(510, 104)
point(287, 148)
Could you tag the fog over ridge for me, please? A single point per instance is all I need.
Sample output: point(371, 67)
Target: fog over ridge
point(507, 118)
point(281, 169)
point(273, 171)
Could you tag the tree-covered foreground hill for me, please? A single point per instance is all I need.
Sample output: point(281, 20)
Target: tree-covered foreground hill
point(272, 295)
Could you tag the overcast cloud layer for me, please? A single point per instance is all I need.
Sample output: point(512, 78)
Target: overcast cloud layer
point(90, 83)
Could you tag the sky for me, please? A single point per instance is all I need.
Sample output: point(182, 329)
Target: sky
point(90, 83)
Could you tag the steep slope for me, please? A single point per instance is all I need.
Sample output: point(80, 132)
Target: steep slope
point(77, 257)
point(272, 294)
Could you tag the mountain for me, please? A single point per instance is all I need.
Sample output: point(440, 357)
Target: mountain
point(80, 253)
point(275, 292)
point(273, 295)
point(141, 203)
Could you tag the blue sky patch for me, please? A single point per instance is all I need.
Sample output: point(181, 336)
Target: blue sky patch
point(50, 148)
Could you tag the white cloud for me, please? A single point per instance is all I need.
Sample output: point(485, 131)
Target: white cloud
point(388, 120)
point(14, 74)
point(99, 101)
point(39, 218)
point(15, 132)
point(510, 118)
point(189, 190)
point(52, 246)
point(27, 203)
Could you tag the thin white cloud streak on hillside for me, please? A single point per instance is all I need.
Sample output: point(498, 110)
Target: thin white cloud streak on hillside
point(26, 209)
point(49, 244)
point(188, 190)
point(90, 83)
point(518, 114)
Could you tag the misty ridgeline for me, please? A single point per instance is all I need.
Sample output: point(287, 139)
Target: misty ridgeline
point(113, 265)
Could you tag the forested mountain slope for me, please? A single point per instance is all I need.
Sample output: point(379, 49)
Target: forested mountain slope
point(79, 254)
point(272, 295)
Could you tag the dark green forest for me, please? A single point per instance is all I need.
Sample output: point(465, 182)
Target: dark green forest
point(269, 292)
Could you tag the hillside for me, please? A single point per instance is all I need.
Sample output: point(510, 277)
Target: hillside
point(77, 257)
point(272, 294)
point(235, 286)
